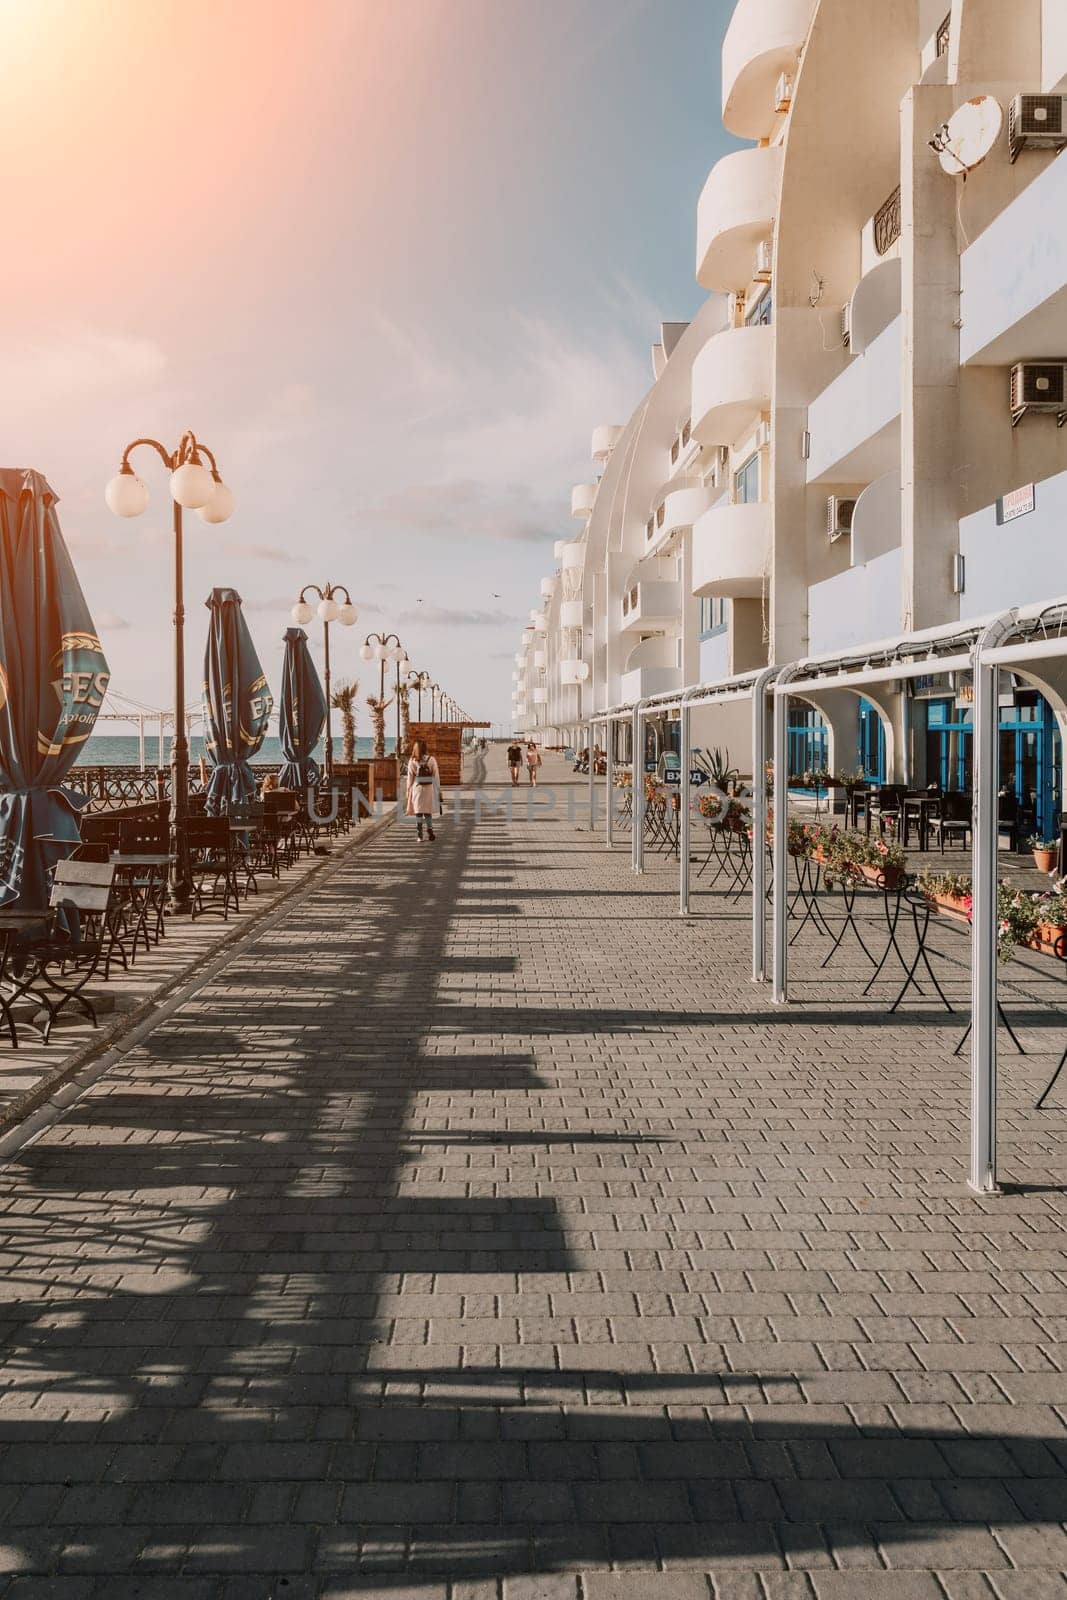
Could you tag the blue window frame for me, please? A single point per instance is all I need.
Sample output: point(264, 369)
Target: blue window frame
point(807, 738)
point(762, 313)
point(872, 742)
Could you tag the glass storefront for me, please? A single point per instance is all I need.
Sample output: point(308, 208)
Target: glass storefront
point(1031, 758)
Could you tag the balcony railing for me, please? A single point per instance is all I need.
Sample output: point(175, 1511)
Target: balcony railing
point(887, 223)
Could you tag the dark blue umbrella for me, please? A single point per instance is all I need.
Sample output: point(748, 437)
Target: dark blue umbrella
point(302, 715)
point(53, 678)
point(237, 702)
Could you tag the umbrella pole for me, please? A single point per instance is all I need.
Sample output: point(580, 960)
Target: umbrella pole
point(328, 748)
point(181, 886)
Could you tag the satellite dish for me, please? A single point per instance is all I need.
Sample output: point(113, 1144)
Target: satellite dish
point(969, 135)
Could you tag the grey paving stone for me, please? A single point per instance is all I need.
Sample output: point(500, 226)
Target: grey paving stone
point(482, 1226)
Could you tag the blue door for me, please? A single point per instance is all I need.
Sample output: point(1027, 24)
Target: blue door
point(872, 742)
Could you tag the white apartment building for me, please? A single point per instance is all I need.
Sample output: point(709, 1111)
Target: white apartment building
point(859, 435)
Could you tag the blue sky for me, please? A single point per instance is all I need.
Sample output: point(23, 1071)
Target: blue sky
point(404, 261)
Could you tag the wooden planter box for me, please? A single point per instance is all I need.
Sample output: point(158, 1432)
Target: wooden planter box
point(955, 904)
point(1048, 939)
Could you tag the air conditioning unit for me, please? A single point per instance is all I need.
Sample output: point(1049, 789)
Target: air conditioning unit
point(846, 324)
point(762, 271)
point(762, 436)
point(1039, 386)
point(1037, 120)
point(783, 93)
point(838, 517)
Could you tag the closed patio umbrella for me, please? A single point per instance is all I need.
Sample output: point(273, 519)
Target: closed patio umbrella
point(53, 678)
point(302, 714)
point(237, 703)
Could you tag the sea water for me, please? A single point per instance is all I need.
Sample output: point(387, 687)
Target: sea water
point(123, 750)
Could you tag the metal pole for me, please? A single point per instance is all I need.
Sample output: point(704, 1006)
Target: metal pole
point(684, 818)
point(328, 750)
point(181, 884)
point(983, 1175)
point(397, 751)
point(140, 739)
point(781, 838)
point(609, 782)
point(759, 824)
point(592, 777)
point(637, 840)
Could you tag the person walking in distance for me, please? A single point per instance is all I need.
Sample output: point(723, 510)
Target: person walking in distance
point(533, 761)
point(423, 785)
point(514, 763)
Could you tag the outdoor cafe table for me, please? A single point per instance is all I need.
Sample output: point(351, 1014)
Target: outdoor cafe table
point(12, 925)
point(919, 808)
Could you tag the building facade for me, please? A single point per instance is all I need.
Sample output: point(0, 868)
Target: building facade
point(859, 435)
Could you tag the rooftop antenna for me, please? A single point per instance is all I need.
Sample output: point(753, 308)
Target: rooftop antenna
point(963, 142)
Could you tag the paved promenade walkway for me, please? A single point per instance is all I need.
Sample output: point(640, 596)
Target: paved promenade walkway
point(482, 1232)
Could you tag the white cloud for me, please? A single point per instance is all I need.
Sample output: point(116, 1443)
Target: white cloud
point(66, 363)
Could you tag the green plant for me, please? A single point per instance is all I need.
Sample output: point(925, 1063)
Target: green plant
point(720, 772)
point(1035, 842)
point(945, 885)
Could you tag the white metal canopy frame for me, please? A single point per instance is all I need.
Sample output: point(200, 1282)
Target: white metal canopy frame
point(1020, 637)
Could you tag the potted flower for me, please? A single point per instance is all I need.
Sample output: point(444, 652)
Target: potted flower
point(1050, 926)
point(1045, 852)
point(1016, 920)
point(950, 891)
point(709, 806)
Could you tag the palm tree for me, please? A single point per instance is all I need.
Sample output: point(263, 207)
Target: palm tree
point(378, 709)
point(405, 720)
point(343, 699)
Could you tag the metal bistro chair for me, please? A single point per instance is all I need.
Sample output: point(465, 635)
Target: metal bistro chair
point(68, 957)
point(212, 864)
point(887, 807)
point(954, 818)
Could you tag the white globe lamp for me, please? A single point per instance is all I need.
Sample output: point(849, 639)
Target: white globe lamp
point(220, 507)
point(301, 613)
point(329, 610)
point(126, 495)
point(347, 614)
point(192, 485)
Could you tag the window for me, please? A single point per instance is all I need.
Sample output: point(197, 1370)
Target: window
point(712, 617)
point(762, 313)
point(746, 482)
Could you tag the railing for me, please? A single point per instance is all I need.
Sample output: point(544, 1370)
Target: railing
point(887, 223)
point(112, 788)
point(944, 33)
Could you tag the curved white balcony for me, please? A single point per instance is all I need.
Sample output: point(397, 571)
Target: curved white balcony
point(548, 587)
point(652, 604)
point(605, 438)
point(735, 213)
point(540, 697)
point(572, 555)
point(571, 613)
point(583, 498)
point(732, 551)
point(763, 40)
point(573, 671)
point(678, 509)
point(732, 380)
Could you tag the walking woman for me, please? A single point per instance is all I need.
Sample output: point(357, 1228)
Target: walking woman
point(533, 761)
point(422, 788)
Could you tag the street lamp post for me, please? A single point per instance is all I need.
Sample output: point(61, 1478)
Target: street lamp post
point(435, 690)
point(383, 648)
point(418, 681)
point(330, 611)
point(193, 487)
